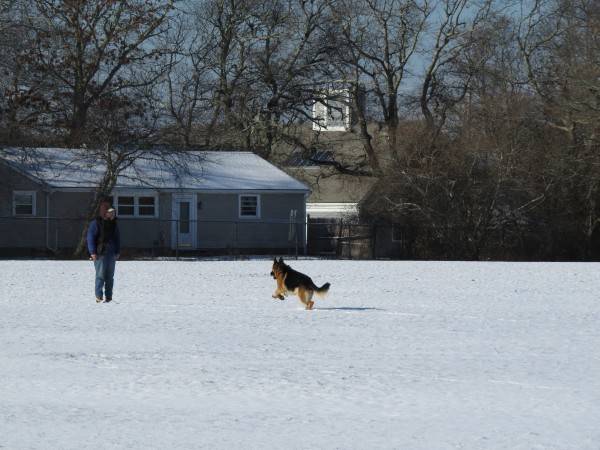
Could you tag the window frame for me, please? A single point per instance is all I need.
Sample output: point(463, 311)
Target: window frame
point(258, 206)
point(117, 206)
point(154, 205)
point(136, 205)
point(33, 203)
point(322, 114)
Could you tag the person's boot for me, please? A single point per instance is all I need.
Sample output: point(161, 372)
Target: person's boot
point(99, 300)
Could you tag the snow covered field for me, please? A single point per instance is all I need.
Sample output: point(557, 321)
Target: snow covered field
point(407, 355)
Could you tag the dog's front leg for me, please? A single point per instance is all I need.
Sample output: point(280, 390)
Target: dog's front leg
point(278, 295)
point(281, 290)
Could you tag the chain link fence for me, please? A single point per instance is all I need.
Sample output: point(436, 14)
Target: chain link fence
point(340, 239)
point(155, 237)
point(323, 238)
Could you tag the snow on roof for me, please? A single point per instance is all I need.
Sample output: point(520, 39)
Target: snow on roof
point(198, 170)
point(332, 210)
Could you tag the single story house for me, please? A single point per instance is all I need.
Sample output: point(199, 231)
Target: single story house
point(196, 200)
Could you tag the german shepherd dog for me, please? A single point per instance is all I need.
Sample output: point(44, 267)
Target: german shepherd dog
point(289, 280)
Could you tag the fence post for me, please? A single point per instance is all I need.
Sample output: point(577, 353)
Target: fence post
point(47, 226)
point(374, 241)
point(338, 244)
point(307, 218)
point(177, 239)
point(296, 235)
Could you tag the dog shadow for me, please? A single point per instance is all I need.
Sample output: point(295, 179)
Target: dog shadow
point(349, 308)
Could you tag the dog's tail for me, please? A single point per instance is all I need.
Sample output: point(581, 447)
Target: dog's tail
point(323, 290)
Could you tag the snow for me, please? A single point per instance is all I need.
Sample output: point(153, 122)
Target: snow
point(196, 354)
point(205, 171)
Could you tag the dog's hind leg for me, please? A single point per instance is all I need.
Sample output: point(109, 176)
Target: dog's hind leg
point(302, 296)
point(309, 303)
point(306, 296)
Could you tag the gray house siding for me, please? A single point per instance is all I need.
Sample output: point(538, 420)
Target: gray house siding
point(11, 181)
point(220, 226)
point(22, 231)
point(145, 233)
point(67, 212)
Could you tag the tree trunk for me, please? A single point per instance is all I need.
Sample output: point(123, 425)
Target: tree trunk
point(392, 120)
point(78, 122)
point(104, 189)
point(365, 137)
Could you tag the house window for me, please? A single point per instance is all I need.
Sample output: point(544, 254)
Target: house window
point(126, 206)
point(137, 206)
point(333, 112)
point(146, 206)
point(249, 206)
point(24, 203)
point(336, 115)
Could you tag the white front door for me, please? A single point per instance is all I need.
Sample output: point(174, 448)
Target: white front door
point(184, 224)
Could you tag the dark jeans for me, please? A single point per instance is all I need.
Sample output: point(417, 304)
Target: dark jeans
point(105, 271)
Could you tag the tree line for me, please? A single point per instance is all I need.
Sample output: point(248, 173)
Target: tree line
point(478, 119)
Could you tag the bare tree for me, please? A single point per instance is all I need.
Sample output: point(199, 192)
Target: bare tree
point(378, 39)
point(228, 21)
point(129, 133)
point(560, 44)
point(22, 100)
point(90, 49)
point(345, 65)
point(189, 85)
point(284, 68)
point(449, 71)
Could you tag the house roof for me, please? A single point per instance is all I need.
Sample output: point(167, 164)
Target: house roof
point(327, 184)
point(197, 170)
point(336, 188)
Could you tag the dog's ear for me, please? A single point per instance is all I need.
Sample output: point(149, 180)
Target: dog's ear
point(275, 259)
point(281, 260)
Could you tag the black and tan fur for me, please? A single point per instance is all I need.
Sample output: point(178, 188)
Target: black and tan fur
point(292, 281)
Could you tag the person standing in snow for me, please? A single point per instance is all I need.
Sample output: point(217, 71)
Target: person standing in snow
point(104, 245)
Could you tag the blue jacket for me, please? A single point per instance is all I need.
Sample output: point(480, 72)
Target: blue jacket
point(94, 236)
